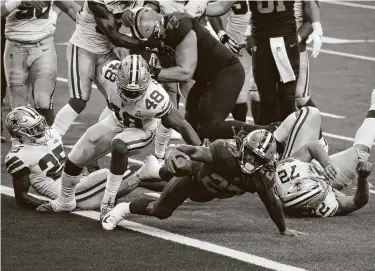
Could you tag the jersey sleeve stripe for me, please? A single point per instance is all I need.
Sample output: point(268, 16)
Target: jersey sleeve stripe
point(15, 166)
point(166, 111)
point(11, 161)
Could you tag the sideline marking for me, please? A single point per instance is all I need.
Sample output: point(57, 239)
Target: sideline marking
point(349, 4)
point(368, 58)
point(180, 239)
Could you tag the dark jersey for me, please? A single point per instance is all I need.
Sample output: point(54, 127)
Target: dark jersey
point(212, 55)
point(224, 176)
point(272, 19)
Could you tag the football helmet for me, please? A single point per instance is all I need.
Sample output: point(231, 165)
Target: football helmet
point(133, 78)
point(257, 150)
point(27, 125)
point(148, 24)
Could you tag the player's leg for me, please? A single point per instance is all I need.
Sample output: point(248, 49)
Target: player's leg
point(346, 161)
point(81, 72)
point(174, 194)
point(239, 111)
point(254, 98)
point(131, 139)
point(95, 143)
point(287, 91)
point(3, 78)
point(298, 129)
point(17, 73)
point(43, 74)
point(266, 78)
point(192, 102)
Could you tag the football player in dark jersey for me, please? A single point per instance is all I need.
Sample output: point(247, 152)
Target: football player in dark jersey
point(218, 74)
point(224, 169)
point(274, 46)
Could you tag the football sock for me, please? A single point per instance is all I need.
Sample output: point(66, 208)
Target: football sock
point(239, 112)
point(68, 188)
point(139, 206)
point(111, 188)
point(48, 114)
point(64, 118)
point(255, 105)
point(366, 133)
point(162, 137)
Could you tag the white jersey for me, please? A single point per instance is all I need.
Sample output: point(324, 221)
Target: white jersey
point(45, 162)
point(155, 103)
point(298, 12)
point(88, 35)
point(238, 20)
point(26, 24)
point(194, 8)
point(300, 187)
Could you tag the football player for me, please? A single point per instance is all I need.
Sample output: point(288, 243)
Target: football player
point(224, 169)
point(307, 188)
point(36, 159)
point(3, 80)
point(90, 49)
point(30, 54)
point(238, 20)
point(274, 45)
point(218, 74)
point(137, 100)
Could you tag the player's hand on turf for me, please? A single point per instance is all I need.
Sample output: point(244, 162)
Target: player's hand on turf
point(364, 169)
point(316, 38)
point(290, 232)
point(232, 44)
point(39, 5)
point(330, 173)
point(128, 18)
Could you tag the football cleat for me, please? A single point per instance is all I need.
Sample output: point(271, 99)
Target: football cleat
point(106, 207)
point(111, 219)
point(55, 207)
point(150, 169)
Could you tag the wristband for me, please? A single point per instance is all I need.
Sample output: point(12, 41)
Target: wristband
point(12, 5)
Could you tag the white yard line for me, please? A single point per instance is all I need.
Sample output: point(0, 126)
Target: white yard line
point(348, 4)
point(331, 52)
point(184, 240)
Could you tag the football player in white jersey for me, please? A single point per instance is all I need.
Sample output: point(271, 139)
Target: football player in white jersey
point(30, 55)
point(308, 187)
point(238, 20)
point(90, 49)
point(36, 159)
point(137, 100)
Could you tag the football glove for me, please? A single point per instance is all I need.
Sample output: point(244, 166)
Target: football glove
point(232, 44)
point(316, 37)
point(128, 18)
point(154, 65)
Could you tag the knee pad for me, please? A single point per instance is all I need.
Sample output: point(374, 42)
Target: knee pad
point(302, 101)
point(119, 146)
point(254, 96)
point(78, 105)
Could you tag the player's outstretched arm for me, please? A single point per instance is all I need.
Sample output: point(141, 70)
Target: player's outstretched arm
point(175, 121)
point(21, 185)
point(69, 7)
point(197, 153)
point(349, 204)
point(108, 24)
point(218, 8)
point(186, 61)
point(8, 6)
point(275, 210)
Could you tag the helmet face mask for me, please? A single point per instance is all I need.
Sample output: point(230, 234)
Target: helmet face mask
point(133, 78)
point(28, 126)
point(251, 161)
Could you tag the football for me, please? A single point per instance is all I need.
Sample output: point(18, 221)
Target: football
point(183, 166)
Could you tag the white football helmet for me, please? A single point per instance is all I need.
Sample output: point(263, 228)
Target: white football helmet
point(133, 78)
point(257, 150)
point(27, 125)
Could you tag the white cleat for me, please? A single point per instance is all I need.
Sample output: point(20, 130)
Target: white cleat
point(176, 135)
point(150, 169)
point(55, 207)
point(111, 220)
point(105, 208)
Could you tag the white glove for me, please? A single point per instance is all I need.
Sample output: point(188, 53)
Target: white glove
point(316, 37)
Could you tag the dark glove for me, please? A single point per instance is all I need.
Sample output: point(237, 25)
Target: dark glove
point(249, 45)
point(232, 44)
